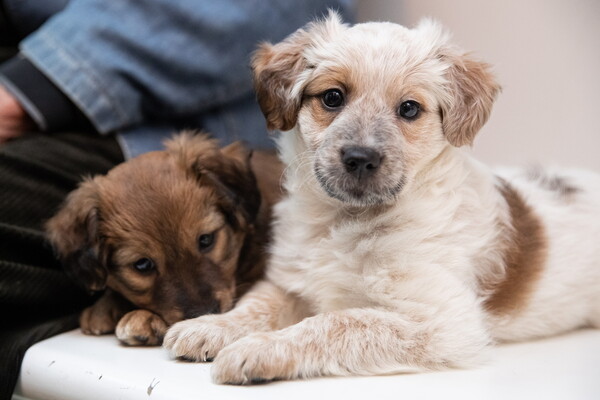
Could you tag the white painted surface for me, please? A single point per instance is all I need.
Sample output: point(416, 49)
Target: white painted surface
point(73, 366)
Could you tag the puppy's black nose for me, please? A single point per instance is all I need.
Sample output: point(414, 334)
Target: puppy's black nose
point(361, 162)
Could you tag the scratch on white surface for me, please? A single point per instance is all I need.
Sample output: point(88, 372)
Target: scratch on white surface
point(49, 365)
point(152, 386)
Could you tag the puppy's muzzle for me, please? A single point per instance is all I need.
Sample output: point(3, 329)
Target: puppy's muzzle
point(360, 162)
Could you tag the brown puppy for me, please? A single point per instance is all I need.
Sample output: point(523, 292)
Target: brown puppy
point(170, 235)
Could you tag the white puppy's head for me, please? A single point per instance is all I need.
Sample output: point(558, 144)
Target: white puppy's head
point(374, 103)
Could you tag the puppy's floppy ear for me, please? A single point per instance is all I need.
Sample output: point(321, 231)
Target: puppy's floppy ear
point(469, 88)
point(279, 71)
point(472, 89)
point(73, 233)
point(237, 183)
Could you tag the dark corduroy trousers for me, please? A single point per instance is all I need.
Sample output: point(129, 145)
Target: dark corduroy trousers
point(37, 300)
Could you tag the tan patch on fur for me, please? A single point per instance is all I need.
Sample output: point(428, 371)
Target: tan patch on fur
point(417, 133)
point(321, 117)
point(339, 78)
point(525, 255)
point(323, 81)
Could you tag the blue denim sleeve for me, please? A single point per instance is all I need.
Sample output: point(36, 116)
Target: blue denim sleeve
point(124, 63)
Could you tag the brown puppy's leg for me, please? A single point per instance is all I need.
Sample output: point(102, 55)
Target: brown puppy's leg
point(103, 315)
point(264, 308)
point(141, 328)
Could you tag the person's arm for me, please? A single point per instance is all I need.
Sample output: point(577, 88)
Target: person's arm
point(46, 107)
point(122, 63)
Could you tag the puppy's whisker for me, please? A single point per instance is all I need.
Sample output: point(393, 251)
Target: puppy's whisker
point(299, 162)
point(298, 169)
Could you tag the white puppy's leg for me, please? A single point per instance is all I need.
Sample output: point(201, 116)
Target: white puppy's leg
point(353, 342)
point(265, 308)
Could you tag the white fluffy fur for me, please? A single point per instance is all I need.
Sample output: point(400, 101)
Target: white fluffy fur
point(399, 285)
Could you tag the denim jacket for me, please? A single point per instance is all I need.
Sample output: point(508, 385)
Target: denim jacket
point(146, 68)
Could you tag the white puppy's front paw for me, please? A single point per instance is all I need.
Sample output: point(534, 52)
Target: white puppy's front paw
point(257, 358)
point(201, 339)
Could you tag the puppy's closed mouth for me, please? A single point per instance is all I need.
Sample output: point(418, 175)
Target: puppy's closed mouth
point(357, 192)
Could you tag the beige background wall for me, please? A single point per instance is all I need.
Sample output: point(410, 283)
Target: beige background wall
point(546, 55)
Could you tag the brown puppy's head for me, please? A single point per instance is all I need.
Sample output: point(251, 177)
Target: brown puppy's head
point(373, 104)
point(164, 229)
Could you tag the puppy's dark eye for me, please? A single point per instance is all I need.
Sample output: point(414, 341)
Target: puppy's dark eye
point(144, 265)
point(333, 98)
point(206, 242)
point(409, 109)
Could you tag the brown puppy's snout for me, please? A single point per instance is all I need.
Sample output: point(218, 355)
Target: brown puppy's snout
point(361, 162)
point(187, 296)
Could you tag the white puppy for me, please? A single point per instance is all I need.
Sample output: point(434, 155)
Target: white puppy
point(395, 250)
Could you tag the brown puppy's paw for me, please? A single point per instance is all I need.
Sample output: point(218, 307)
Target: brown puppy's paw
point(103, 315)
point(200, 339)
point(141, 328)
point(258, 358)
point(93, 321)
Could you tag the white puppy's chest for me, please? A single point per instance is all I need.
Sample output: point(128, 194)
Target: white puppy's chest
point(333, 273)
point(384, 260)
point(344, 263)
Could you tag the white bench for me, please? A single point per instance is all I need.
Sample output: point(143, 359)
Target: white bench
point(73, 366)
